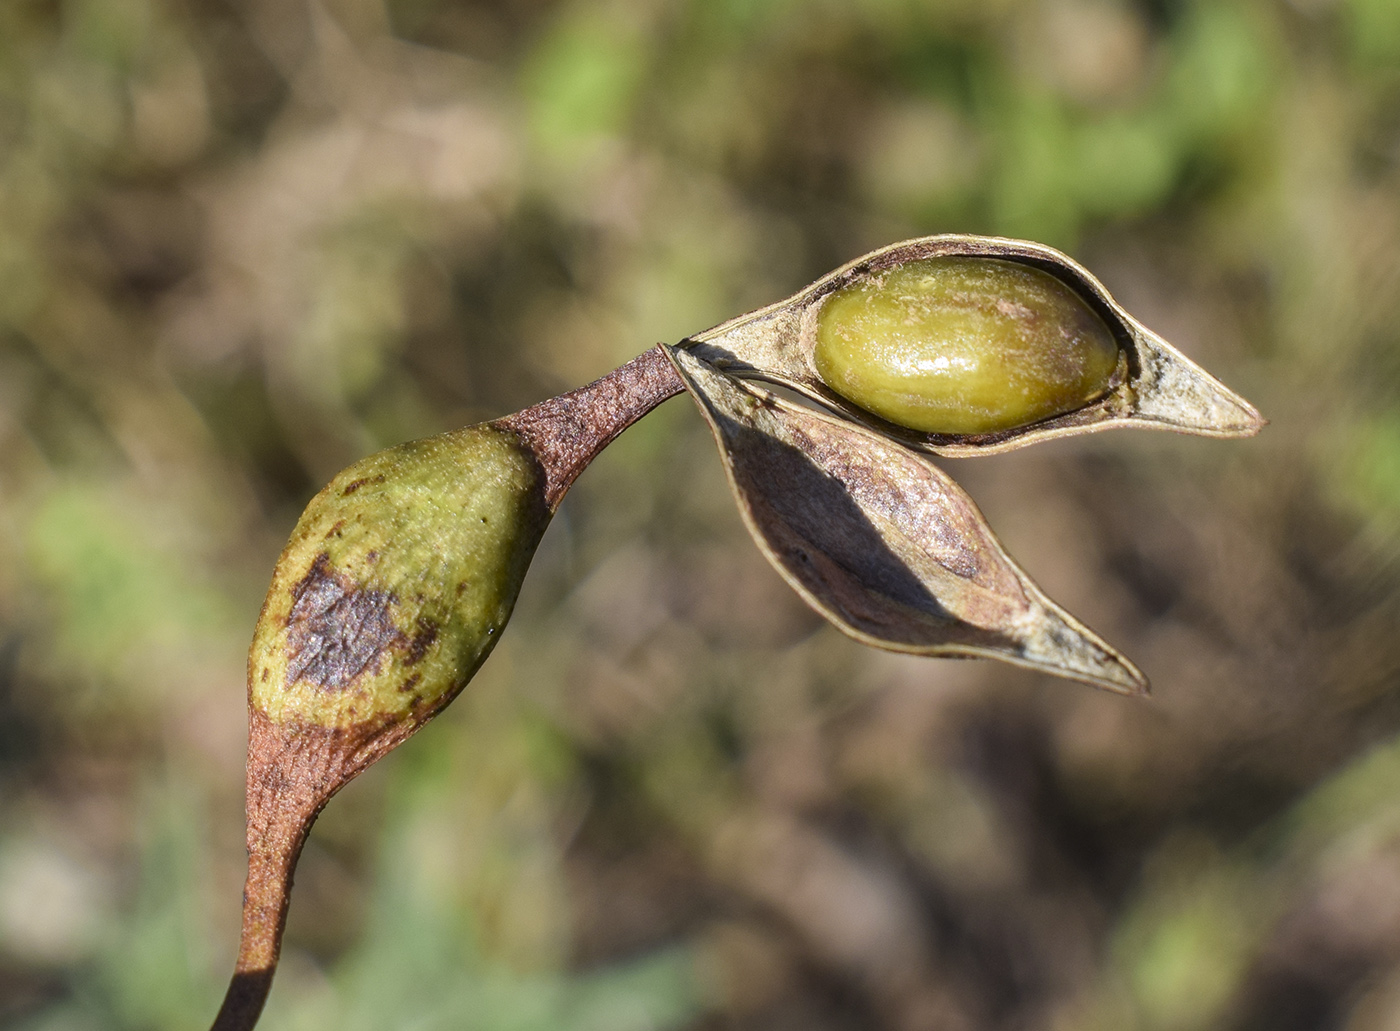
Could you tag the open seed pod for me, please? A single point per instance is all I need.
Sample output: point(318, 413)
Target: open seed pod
point(1151, 385)
point(882, 542)
point(401, 574)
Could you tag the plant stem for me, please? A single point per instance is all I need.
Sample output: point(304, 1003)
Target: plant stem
point(567, 432)
point(292, 771)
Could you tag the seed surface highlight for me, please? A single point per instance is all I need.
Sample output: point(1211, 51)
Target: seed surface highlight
point(963, 345)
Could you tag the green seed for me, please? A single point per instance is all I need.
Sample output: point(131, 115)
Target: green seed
point(397, 581)
point(963, 345)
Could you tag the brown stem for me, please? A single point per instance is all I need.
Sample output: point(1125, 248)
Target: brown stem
point(293, 770)
point(265, 898)
point(567, 432)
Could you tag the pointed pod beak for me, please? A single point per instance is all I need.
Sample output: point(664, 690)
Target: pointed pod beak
point(1052, 640)
point(1175, 393)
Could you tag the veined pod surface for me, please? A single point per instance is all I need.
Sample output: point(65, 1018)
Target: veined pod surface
point(963, 345)
point(882, 542)
point(397, 580)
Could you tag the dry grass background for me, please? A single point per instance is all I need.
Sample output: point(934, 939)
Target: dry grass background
point(243, 242)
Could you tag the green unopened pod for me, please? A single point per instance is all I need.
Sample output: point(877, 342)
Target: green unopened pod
point(393, 589)
point(397, 581)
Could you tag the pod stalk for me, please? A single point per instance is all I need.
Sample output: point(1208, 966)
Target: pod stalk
point(567, 432)
point(289, 781)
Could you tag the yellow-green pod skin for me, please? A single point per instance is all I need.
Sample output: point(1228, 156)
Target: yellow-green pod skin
point(963, 345)
point(397, 581)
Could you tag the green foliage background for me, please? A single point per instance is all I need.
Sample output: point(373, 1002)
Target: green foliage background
point(244, 242)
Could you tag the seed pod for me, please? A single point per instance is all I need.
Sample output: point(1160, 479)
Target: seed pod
point(1152, 384)
point(396, 581)
point(401, 574)
point(394, 587)
point(882, 542)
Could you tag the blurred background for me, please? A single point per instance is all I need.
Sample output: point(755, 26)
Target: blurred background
point(244, 242)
